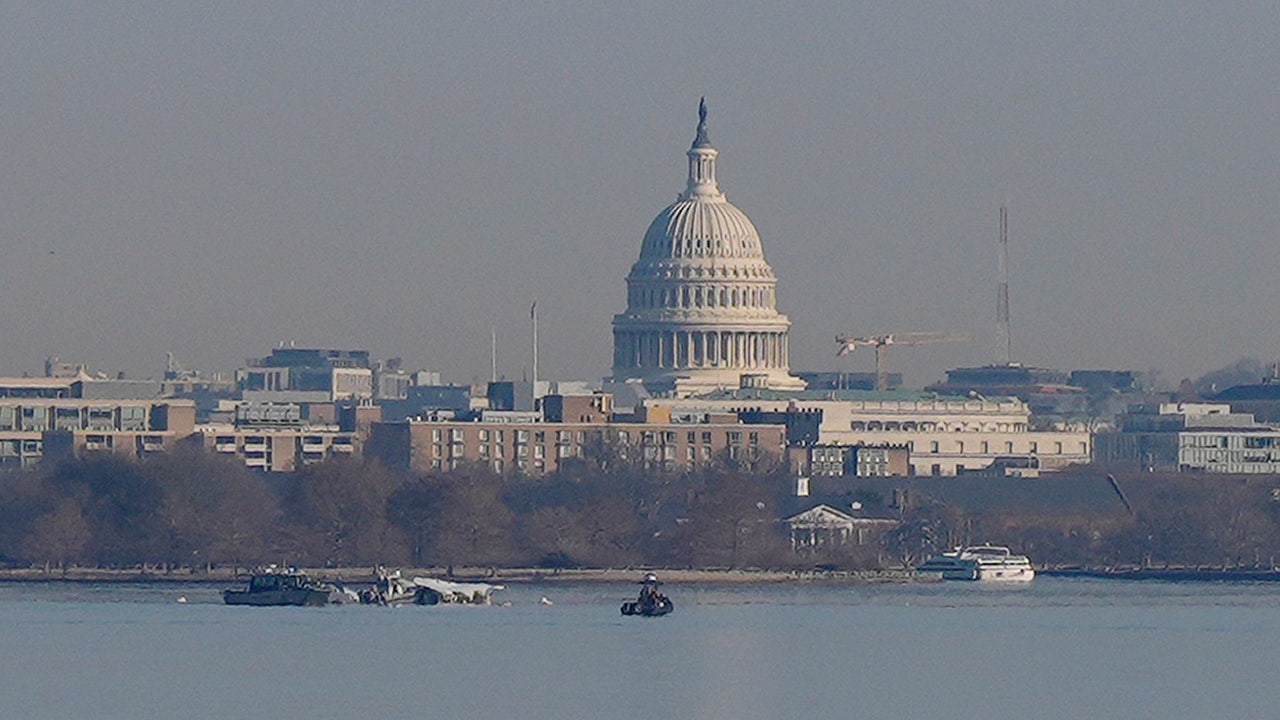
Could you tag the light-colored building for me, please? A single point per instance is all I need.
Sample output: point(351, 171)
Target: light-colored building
point(701, 300)
point(539, 447)
point(277, 448)
point(945, 435)
point(857, 461)
point(277, 438)
point(32, 429)
point(824, 527)
point(1191, 437)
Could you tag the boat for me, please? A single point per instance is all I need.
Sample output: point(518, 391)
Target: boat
point(272, 588)
point(391, 588)
point(651, 603)
point(980, 562)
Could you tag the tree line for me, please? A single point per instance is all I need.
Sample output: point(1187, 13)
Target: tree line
point(191, 508)
point(1182, 520)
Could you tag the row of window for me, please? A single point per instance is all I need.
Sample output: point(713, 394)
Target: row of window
point(18, 448)
point(986, 448)
point(499, 435)
point(698, 297)
point(28, 418)
point(564, 437)
point(1212, 456)
point(926, 426)
point(1224, 441)
point(656, 456)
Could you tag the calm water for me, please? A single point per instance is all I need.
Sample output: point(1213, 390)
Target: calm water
point(1055, 649)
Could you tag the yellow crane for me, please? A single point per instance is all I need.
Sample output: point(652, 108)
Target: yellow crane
point(882, 342)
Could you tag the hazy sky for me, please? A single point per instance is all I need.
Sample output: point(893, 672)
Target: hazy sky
point(213, 179)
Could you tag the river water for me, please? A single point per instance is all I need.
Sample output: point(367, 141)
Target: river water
point(1058, 648)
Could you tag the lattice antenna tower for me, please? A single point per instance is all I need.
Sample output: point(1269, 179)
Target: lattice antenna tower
point(1003, 354)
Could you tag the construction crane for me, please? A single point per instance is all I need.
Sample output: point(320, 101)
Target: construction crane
point(882, 342)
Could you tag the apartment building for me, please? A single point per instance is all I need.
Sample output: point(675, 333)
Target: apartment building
point(539, 447)
point(36, 428)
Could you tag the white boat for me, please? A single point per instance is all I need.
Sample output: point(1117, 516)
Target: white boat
point(980, 562)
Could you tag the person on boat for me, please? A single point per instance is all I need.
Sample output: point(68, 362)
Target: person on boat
point(649, 595)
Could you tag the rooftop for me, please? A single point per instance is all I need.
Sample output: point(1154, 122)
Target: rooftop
point(767, 394)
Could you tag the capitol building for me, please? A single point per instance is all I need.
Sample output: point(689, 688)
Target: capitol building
point(701, 299)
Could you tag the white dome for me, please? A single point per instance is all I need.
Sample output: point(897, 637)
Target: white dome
point(701, 227)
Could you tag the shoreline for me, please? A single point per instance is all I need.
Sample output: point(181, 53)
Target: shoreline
point(490, 575)
point(623, 576)
point(1170, 574)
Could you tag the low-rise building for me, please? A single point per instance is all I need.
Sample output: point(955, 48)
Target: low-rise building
point(276, 437)
point(34, 429)
point(277, 448)
point(824, 527)
point(538, 447)
point(943, 434)
point(1191, 437)
point(307, 376)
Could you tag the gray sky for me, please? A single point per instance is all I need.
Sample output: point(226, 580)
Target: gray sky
point(214, 179)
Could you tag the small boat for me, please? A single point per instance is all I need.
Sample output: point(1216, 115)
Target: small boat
point(657, 608)
point(980, 562)
point(651, 603)
point(272, 588)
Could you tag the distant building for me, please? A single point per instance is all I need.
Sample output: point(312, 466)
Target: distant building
point(516, 395)
point(846, 380)
point(80, 386)
point(1046, 392)
point(307, 376)
point(45, 387)
point(274, 437)
point(1000, 379)
point(1191, 437)
point(421, 401)
point(1099, 381)
point(32, 430)
point(825, 527)
point(534, 446)
point(277, 449)
point(944, 435)
point(586, 408)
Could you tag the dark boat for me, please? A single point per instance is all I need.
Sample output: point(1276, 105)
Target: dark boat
point(275, 588)
point(651, 603)
point(658, 607)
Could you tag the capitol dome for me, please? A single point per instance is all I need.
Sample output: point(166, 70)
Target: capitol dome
point(701, 311)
